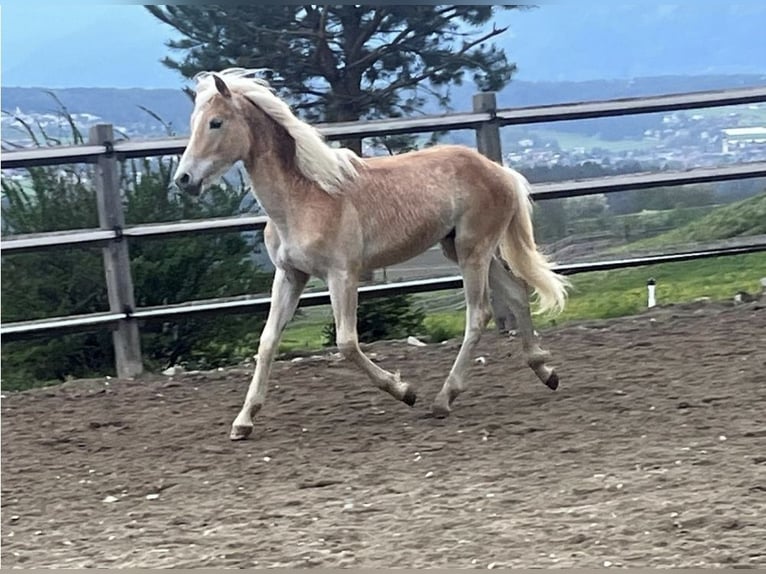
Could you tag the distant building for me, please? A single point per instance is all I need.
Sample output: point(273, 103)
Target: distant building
point(742, 138)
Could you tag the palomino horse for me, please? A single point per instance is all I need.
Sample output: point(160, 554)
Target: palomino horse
point(334, 215)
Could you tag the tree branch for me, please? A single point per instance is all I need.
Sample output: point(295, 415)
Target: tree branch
point(406, 82)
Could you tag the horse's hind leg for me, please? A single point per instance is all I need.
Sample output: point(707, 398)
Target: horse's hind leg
point(478, 314)
point(344, 298)
point(504, 319)
point(514, 291)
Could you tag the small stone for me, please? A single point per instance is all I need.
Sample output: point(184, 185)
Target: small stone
point(153, 496)
point(480, 361)
point(15, 517)
point(296, 360)
point(266, 458)
point(722, 438)
point(110, 498)
point(429, 474)
point(415, 342)
point(174, 370)
point(607, 563)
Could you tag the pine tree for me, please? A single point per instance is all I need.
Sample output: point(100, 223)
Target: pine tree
point(346, 62)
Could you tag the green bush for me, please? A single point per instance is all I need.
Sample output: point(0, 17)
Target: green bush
point(393, 317)
point(165, 271)
point(444, 326)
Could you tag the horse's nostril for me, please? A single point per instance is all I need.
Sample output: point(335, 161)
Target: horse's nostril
point(184, 179)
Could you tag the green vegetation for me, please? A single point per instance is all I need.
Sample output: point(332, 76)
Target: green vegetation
point(746, 217)
point(347, 62)
point(394, 317)
point(606, 294)
point(597, 295)
point(642, 224)
point(71, 281)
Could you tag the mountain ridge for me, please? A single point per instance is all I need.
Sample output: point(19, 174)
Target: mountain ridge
point(121, 106)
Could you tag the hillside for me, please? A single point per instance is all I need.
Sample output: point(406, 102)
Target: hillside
point(122, 107)
point(743, 218)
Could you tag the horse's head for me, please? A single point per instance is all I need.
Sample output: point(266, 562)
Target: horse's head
point(217, 140)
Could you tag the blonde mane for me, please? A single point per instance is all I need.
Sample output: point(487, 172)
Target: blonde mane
point(327, 167)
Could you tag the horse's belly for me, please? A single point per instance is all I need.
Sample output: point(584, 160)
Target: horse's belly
point(401, 250)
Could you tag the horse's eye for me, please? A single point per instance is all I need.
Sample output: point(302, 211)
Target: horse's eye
point(215, 124)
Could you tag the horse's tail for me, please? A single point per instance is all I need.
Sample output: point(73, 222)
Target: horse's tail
point(519, 250)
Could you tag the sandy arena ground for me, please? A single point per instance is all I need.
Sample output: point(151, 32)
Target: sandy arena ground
point(651, 453)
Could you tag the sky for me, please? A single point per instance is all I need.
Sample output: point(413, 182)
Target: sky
point(83, 45)
point(94, 44)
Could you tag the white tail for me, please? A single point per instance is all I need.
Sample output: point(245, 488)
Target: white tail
point(519, 250)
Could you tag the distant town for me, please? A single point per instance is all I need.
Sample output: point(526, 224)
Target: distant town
point(678, 140)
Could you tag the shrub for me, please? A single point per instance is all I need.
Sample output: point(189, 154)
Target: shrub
point(392, 317)
point(165, 271)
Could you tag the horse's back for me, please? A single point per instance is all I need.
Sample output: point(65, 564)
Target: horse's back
point(408, 202)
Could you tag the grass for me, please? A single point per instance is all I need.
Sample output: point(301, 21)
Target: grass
point(596, 295)
point(746, 217)
point(606, 294)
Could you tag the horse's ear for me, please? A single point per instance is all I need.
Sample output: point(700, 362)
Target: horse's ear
point(223, 89)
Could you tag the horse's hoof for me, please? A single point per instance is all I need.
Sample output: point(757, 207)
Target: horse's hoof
point(410, 397)
point(440, 410)
point(553, 381)
point(240, 432)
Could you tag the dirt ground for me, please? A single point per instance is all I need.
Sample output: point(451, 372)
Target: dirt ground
point(650, 454)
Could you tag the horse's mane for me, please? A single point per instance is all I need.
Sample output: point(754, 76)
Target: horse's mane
point(327, 167)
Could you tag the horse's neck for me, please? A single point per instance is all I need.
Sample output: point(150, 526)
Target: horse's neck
point(283, 196)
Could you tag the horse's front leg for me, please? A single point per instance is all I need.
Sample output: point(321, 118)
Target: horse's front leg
point(285, 292)
point(343, 295)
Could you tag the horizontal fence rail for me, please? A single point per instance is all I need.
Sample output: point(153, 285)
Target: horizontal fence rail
point(96, 237)
point(485, 119)
point(525, 115)
point(541, 191)
point(25, 329)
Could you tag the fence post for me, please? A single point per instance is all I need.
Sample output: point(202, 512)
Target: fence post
point(119, 282)
point(488, 144)
point(488, 134)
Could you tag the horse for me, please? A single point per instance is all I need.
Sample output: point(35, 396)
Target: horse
point(335, 215)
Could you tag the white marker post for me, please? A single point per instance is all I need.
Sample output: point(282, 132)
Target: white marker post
point(650, 286)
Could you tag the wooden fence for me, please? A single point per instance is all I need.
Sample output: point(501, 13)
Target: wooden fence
point(486, 120)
